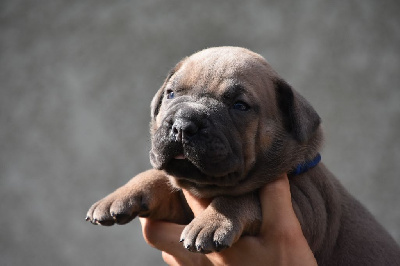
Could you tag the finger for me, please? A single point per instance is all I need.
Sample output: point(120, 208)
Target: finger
point(280, 224)
point(239, 253)
point(196, 204)
point(276, 206)
point(165, 237)
point(162, 235)
point(169, 259)
point(191, 259)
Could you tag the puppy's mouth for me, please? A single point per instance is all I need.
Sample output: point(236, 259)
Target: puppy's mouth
point(180, 157)
point(187, 171)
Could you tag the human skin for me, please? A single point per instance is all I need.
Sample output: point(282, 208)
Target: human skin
point(280, 241)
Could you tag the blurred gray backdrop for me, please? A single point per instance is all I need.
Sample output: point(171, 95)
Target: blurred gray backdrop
point(76, 82)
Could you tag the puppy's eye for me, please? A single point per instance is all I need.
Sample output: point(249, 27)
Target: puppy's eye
point(241, 106)
point(170, 94)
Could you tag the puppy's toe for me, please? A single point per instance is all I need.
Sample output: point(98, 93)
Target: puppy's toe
point(101, 214)
point(118, 208)
point(89, 214)
point(123, 211)
point(224, 237)
point(204, 241)
point(206, 235)
point(189, 235)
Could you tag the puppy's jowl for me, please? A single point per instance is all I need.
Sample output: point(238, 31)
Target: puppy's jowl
point(223, 124)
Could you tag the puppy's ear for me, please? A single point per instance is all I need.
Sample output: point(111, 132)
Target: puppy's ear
point(300, 118)
point(157, 99)
point(156, 102)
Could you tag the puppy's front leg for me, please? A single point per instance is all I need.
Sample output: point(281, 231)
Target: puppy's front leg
point(148, 194)
point(222, 223)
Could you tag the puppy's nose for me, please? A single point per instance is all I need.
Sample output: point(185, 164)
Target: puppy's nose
point(183, 129)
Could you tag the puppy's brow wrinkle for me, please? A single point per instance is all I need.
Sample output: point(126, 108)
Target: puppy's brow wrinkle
point(234, 91)
point(182, 89)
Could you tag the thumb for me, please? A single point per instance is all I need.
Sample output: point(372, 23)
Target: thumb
point(197, 205)
point(277, 208)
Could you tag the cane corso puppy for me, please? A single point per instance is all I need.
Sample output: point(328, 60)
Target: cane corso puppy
point(223, 124)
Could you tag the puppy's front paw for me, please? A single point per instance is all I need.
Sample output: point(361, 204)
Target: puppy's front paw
point(117, 207)
point(210, 233)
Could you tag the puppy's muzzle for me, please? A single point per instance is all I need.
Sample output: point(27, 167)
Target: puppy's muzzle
point(184, 129)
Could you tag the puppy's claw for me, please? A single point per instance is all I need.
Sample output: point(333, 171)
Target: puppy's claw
point(122, 218)
point(87, 218)
point(106, 223)
point(219, 246)
point(189, 247)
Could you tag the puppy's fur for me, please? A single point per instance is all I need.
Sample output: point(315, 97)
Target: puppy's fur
point(222, 125)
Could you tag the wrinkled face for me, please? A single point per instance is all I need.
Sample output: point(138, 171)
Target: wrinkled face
point(211, 120)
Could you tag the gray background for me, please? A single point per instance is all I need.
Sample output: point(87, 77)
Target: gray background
point(77, 78)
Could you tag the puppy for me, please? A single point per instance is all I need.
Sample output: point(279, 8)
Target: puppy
point(223, 124)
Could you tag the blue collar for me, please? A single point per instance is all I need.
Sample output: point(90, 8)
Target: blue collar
point(304, 167)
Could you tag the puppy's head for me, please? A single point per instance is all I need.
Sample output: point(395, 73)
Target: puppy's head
point(224, 123)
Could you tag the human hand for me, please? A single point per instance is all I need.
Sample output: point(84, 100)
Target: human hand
point(280, 241)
